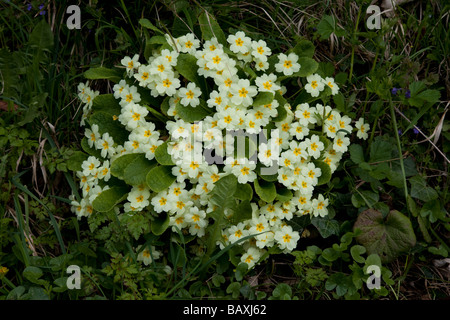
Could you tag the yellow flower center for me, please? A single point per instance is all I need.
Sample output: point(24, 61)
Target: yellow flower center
point(190, 94)
point(267, 85)
point(287, 64)
point(243, 93)
point(167, 83)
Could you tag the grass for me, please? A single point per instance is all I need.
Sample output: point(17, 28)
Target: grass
point(411, 46)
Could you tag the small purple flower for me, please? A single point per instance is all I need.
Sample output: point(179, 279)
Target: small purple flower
point(416, 131)
point(394, 91)
point(314, 29)
point(29, 7)
point(408, 94)
point(42, 13)
point(400, 132)
point(41, 6)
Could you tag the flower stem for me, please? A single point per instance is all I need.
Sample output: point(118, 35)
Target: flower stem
point(402, 166)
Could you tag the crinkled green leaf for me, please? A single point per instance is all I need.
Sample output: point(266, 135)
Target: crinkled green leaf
point(119, 164)
point(265, 190)
point(108, 199)
point(42, 37)
point(106, 124)
point(106, 103)
point(284, 194)
point(147, 24)
point(162, 156)
point(103, 73)
point(242, 212)
point(187, 67)
point(263, 98)
point(135, 173)
point(386, 237)
point(210, 28)
point(192, 114)
point(160, 224)
point(75, 161)
point(326, 172)
point(304, 48)
point(243, 192)
point(160, 178)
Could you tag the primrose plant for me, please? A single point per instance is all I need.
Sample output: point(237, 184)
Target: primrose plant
point(202, 135)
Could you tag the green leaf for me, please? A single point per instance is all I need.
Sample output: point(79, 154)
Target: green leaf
point(304, 48)
point(241, 270)
point(284, 194)
point(434, 210)
point(223, 192)
point(326, 172)
point(243, 192)
point(442, 251)
point(282, 292)
point(162, 156)
point(222, 198)
point(147, 24)
point(356, 153)
point(420, 190)
point(386, 237)
point(380, 150)
point(265, 190)
point(106, 124)
point(242, 212)
point(356, 251)
point(42, 37)
point(103, 73)
point(187, 67)
point(160, 224)
point(33, 274)
point(106, 103)
point(119, 164)
point(330, 254)
point(135, 173)
point(419, 96)
point(75, 161)
point(281, 110)
point(91, 151)
point(263, 98)
point(327, 26)
point(108, 199)
point(366, 197)
point(37, 293)
point(210, 28)
point(160, 178)
point(192, 114)
point(340, 282)
point(326, 226)
point(234, 289)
